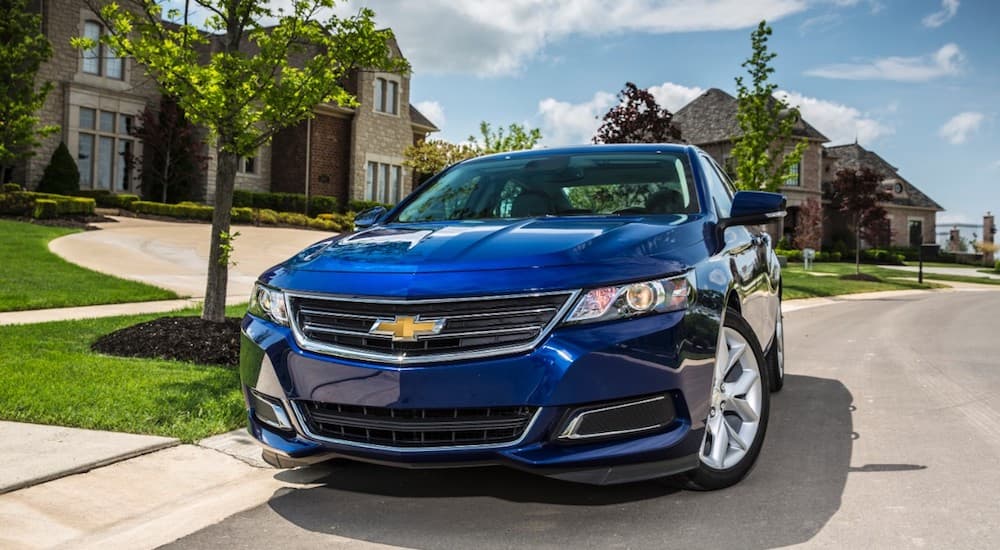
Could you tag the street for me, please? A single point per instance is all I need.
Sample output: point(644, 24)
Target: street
point(887, 435)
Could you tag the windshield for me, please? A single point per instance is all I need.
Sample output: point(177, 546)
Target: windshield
point(559, 185)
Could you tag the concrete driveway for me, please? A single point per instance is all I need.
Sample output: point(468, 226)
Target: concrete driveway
point(954, 271)
point(174, 255)
point(886, 436)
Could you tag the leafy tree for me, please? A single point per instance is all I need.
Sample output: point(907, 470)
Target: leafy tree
point(173, 158)
point(61, 176)
point(431, 156)
point(809, 226)
point(763, 153)
point(637, 118)
point(858, 194)
point(23, 49)
point(515, 138)
point(239, 79)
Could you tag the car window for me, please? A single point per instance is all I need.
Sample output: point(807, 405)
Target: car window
point(635, 183)
point(721, 193)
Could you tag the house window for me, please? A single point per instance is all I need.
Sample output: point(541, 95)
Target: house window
point(104, 150)
point(247, 165)
point(383, 182)
point(795, 178)
point(916, 232)
point(386, 96)
point(101, 60)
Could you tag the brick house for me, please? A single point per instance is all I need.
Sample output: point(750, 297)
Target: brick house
point(709, 121)
point(350, 153)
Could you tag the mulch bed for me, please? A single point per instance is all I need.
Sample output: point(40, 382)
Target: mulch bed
point(181, 338)
point(861, 277)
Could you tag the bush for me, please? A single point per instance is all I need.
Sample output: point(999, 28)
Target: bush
point(61, 176)
point(107, 199)
point(186, 211)
point(11, 188)
point(284, 202)
point(16, 204)
point(267, 216)
point(293, 218)
point(875, 255)
point(45, 209)
point(66, 206)
point(242, 215)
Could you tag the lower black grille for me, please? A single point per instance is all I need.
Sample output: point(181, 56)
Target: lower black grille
point(416, 427)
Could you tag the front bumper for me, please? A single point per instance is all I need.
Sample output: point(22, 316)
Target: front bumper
point(573, 367)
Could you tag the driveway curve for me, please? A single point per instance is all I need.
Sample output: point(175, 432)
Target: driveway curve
point(174, 255)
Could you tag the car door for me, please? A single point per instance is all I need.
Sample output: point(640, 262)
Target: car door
point(747, 249)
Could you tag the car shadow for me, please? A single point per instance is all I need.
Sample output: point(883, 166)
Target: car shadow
point(792, 493)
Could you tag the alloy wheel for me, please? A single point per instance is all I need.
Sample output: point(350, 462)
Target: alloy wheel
point(734, 416)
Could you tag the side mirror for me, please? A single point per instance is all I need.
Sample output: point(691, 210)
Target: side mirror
point(368, 218)
point(755, 208)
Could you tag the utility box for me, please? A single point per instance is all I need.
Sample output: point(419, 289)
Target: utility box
point(808, 255)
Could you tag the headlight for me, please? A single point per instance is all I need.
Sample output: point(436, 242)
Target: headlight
point(268, 303)
point(624, 301)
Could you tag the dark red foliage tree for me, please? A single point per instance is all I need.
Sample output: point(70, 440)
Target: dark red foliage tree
point(809, 227)
point(173, 159)
point(637, 119)
point(858, 192)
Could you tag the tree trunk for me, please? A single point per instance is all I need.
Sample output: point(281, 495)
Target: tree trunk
point(218, 262)
point(166, 174)
point(857, 247)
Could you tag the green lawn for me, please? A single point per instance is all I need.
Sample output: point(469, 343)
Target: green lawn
point(796, 283)
point(34, 278)
point(888, 272)
point(50, 376)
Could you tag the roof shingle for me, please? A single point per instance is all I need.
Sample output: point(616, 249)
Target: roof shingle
point(711, 118)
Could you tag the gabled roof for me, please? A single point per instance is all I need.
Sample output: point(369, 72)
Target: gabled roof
point(418, 119)
point(711, 118)
point(853, 155)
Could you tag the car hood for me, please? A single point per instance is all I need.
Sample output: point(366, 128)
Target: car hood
point(533, 251)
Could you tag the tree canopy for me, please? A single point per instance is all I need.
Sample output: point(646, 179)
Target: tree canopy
point(858, 192)
point(251, 70)
point(764, 153)
point(637, 118)
point(23, 49)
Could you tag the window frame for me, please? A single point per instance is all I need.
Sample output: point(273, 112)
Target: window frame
point(103, 55)
point(121, 171)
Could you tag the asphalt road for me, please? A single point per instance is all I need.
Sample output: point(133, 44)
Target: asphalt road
point(887, 435)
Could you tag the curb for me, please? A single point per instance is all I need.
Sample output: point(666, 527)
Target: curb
point(88, 466)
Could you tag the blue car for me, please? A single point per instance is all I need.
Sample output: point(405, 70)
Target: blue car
point(598, 314)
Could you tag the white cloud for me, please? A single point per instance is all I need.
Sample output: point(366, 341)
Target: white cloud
point(839, 122)
point(565, 123)
point(948, 10)
point(674, 96)
point(959, 127)
point(433, 111)
point(944, 62)
point(487, 38)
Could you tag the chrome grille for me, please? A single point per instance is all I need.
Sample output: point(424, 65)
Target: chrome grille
point(415, 428)
point(478, 326)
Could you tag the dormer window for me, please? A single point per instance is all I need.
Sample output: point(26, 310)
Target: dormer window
point(101, 60)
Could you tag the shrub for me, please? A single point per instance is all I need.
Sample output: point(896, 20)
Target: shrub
point(996, 266)
point(107, 199)
point(242, 215)
point(320, 204)
point(11, 188)
point(16, 204)
point(267, 216)
point(284, 202)
point(293, 218)
point(61, 175)
point(187, 211)
point(65, 205)
point(45, 209)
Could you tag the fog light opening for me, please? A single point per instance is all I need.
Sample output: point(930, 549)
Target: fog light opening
point(270, 411)
point(620, 419)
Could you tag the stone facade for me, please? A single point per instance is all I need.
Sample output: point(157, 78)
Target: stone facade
point(332, 150)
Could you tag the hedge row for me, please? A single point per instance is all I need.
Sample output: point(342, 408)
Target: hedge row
point(107, 199)
point(796, 255)
point(25, 203)
point(241, 214)
point(296, 202)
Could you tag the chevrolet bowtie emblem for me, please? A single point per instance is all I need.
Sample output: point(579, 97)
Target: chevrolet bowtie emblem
point(405, 328)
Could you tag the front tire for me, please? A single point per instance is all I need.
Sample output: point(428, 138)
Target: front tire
point(738, 414)
point(776, 356)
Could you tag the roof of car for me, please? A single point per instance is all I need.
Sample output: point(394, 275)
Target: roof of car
point(598, 148)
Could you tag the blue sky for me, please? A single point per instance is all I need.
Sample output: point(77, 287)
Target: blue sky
point(917, 81)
